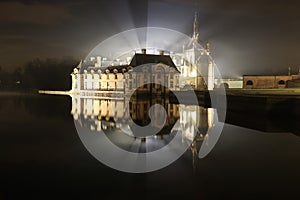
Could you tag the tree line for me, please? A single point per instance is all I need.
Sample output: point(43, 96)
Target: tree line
point(44, 74)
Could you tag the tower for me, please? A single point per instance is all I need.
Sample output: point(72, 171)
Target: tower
point(196, 30)
point(198, 69)
point(211, 72)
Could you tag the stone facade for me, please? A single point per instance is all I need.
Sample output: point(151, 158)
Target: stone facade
point(124, 78)
point(267, 82)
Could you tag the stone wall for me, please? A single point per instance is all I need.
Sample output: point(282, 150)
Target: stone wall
point(265, 82)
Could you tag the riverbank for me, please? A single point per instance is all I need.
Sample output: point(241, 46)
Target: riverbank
point(54, 92)
point(263, 102)
point(295, 92)
point(17, 92)
point(282, 104)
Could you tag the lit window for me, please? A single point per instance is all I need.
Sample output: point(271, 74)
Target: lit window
point(171, 84)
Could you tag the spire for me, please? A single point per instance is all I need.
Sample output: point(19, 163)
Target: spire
point(208, 48)
point(79, 65)
point(196, 31)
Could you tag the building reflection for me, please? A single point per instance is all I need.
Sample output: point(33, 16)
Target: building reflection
point(115, 118)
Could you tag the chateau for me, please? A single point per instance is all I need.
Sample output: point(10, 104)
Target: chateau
point(192, 67)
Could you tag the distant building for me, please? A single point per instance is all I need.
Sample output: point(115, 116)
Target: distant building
point(294, 83)
point(269, 81)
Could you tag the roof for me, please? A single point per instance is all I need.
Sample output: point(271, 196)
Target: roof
point(140, 59)
point(266, 75)
point(137, 60)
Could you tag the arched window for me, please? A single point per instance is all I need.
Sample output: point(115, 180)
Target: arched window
point(249, 82)
point(281, 82)
point(225, 85)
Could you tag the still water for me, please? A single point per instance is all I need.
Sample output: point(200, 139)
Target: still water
point(41, 152)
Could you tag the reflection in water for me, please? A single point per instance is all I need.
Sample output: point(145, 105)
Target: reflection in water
point(118, 118)
point(269, 124)
point(40, 149)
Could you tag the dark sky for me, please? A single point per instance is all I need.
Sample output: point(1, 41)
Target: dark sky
point(248, 36)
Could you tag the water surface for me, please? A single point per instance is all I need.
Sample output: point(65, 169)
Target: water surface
point(42, 154)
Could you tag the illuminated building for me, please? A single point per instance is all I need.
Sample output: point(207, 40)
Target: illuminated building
point(193, 67)
point(197, 68)
point(123, 78)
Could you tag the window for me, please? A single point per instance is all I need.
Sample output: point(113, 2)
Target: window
point(225, 85)
point(281, 82)
point(130, 85)
point(249, 82)
point(116, 76)
point(171, 84)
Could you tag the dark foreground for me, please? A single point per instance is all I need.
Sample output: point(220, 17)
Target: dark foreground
point(42, 156)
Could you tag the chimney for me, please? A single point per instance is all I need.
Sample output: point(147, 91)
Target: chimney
point(161, 53)
point(143, 51)
point(99, 61)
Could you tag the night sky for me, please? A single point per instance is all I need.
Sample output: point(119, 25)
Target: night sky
point(247, 37)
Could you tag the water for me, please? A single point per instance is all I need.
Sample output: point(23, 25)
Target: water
point(42, 155)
